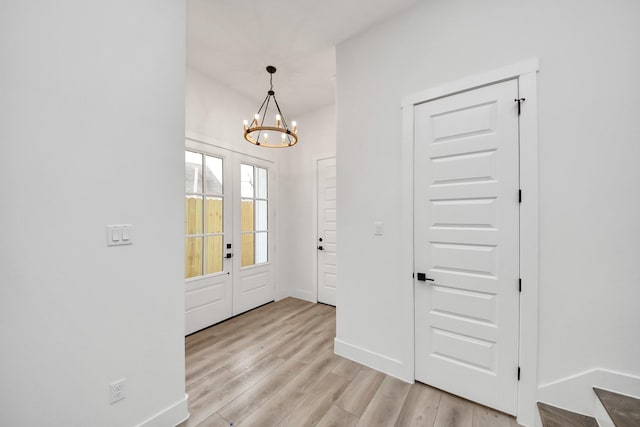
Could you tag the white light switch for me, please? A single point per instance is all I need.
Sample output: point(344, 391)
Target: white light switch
point(118, 235)
point(379, 228)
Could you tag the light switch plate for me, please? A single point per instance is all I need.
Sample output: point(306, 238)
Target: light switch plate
point(119, 234)
point(379, 228)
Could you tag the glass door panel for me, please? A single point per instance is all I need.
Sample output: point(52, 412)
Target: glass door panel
point(254, 207)
point(204, 229)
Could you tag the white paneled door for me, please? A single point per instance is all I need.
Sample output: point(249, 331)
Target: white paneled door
point(466, 217)
point(326, 235)
point(229, 256)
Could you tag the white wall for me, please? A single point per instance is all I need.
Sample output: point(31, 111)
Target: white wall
point(214, 115)
point(589, 200)
point(91, 133)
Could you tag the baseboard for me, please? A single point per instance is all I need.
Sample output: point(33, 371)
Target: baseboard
point(303, 295)
point(171, 416)
point(575, 393)
point(374, 360)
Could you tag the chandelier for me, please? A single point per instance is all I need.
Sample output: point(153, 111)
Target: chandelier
point(258, 134)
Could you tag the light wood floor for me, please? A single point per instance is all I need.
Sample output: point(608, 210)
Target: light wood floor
point(275, 366)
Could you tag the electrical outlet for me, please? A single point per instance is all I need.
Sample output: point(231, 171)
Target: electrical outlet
point(117, 390)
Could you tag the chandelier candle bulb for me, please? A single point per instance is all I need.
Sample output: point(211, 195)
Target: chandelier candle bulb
point(246, 124)
point(266, 137)
point(278, 120)
point(294, 127)
point(256, 118)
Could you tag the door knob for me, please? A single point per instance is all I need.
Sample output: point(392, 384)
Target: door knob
point(320, 248)
point(423, 277)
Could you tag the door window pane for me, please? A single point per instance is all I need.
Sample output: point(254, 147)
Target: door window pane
point(192, 172)
point(261, 248)
point(213, 250)
point(193, 257)
point(261, 183)
point(246, 215)
point(247, 246)
point(193, 215)
point(261, 215)
point(213, 176)
point(246, 181)
point(213, 215)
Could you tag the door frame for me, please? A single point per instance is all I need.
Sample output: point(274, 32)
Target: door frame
point(526, 75)
point(314, 220)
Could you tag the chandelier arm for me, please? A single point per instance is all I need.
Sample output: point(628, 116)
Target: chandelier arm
point(266, 108)
point(284, 121)
point(260, 109)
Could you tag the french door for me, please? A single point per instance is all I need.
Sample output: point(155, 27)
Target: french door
point(229, 255)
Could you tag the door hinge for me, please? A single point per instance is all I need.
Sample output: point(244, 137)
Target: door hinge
point(519, 101)
point(519, 285)
point(518, 373)
point(519, 196)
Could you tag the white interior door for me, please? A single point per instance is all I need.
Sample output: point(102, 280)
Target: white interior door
point(326, 234)
point(229, 251)
point(466, 244)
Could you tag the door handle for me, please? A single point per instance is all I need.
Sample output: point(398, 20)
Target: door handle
point(423, 278)
point(320, 248)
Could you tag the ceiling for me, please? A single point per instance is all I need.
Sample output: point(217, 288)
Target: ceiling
point(233, 41)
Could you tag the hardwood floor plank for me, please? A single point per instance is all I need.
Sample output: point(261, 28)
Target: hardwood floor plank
point(454, 412)
point(201, 389)
point(285, 400)
point(274, 343)
point(317, 404)
point(347, 369)
point(623, 410)
point(248, 324)
point(420, 407)
point(558, 417)
point(363, 387)
point(386, 404)
point(338, 417)
point(231, 352)
point(248, 401)
point(251, 324)
point(486, 417)
point(221, 394)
